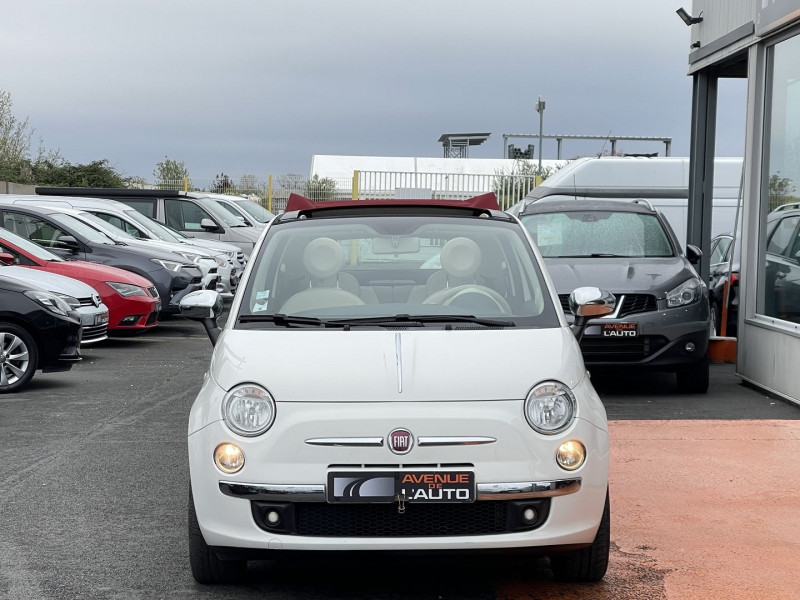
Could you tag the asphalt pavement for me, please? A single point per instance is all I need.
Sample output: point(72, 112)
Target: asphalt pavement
point(94, 483)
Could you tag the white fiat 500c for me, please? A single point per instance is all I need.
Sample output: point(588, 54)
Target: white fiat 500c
point(362, 396)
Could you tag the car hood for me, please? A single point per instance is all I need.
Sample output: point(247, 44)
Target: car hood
point(645, 275)
point(94, 272)
point(50, 281)
point(162, 246)
point(313, 365)
point(248, 234)
point(211, 244)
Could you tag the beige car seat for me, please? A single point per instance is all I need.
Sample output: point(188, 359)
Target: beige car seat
point(323, 259)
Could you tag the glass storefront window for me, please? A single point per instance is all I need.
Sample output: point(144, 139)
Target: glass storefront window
point(779, 285)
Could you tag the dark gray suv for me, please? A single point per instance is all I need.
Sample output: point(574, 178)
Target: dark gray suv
point(662, 320)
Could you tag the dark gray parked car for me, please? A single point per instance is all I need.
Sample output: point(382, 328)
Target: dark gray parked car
point(662, 320)
point(72, 239)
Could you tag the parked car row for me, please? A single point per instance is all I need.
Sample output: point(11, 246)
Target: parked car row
point(74, 269)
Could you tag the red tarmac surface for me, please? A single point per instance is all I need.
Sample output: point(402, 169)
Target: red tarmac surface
point(700, 510)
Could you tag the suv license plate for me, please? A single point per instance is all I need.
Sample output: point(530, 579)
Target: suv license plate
point(619, 329)
point(413, 486)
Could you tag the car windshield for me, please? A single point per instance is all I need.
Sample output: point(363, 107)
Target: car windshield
point(255, 210)
point(381, 270)
point(155, 228)
point(222, 214)
point(598, 233)
point(106, 227)
point(28, 246)
point(91, 233)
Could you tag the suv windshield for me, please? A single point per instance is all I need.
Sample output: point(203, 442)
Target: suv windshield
point(596, 233)
point(381, 270)
point(258, 212)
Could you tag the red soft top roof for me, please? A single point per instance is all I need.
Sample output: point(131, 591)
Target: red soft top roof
point(483, 202)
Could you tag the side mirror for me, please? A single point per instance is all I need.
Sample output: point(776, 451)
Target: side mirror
point(69, 242)
point(210, 226)
point(693, 253)
point(588, 302)
point(204, 306)
point(6, 258)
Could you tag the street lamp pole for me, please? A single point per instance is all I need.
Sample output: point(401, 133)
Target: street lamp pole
point(540, 110)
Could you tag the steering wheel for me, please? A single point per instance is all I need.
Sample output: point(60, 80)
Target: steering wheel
point(470, 296)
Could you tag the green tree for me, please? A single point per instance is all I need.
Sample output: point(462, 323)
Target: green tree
point(223, 185)
point(98, 173)
point(15, 143)
point(170, 174)
point(320, 188)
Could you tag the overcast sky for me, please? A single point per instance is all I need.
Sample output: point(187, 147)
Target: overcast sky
point(259, 86)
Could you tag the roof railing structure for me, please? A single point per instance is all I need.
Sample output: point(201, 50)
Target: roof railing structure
point(613, 139)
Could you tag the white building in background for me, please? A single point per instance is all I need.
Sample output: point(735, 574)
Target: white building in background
point(341, 167)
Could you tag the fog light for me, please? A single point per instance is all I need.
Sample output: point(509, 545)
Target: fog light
point(571, 455)
point(130, 320)
point(229, 458)
point(529, 516)
point(273, 517)
point(690, 347)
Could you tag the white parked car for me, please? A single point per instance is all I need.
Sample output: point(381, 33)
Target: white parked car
point(357, 400)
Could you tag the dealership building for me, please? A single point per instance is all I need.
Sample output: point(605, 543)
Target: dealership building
point(758, 40)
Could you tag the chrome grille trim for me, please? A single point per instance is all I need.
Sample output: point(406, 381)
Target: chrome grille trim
point(528, 489)
point(350, 441)
point(432, 440)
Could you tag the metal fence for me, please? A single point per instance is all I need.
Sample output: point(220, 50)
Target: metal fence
point(273, 192)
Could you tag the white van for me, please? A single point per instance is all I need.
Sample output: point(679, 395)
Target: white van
point(664, 182)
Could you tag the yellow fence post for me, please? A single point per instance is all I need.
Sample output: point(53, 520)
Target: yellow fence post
point(269, 193)
point(185, 183)
point(355, 185)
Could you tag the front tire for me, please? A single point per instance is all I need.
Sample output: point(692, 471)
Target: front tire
point(207, 567)
point(694, 379)
point(18, 357)
point(587, 564)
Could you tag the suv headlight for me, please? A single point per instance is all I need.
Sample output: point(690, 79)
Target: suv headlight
point(550, 407)
point(126, 289)
point(685, 293)
point(50, 301)
point(169, 265)
point(248, 410)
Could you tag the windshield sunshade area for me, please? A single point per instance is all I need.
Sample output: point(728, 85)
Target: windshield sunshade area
point(594, 233)
point(410, 271)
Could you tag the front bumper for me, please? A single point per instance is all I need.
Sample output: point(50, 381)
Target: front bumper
point(667, 339)
point(94, 323)
point(285, 469)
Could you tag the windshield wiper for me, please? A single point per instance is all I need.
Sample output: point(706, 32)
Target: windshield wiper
point(405, 319)
point(282, 320)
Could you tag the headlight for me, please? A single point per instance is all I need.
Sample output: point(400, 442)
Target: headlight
point(248, 410)
point(169, 265)
point(50, 301)
point(685, 293)
point(550, 407)
point(74, 303)
point(126, 289)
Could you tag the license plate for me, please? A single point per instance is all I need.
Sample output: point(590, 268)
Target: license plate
point(101, 319)
point(619, 330)
point(412, 486)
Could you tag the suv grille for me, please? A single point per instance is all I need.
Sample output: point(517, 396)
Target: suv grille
point(619, 350)
point(631, 303)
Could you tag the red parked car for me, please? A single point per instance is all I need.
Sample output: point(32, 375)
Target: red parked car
point(132, 301)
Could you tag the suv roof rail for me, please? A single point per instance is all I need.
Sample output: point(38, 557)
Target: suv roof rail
point(484, 202)
point(645, 202)
point(790, 206)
